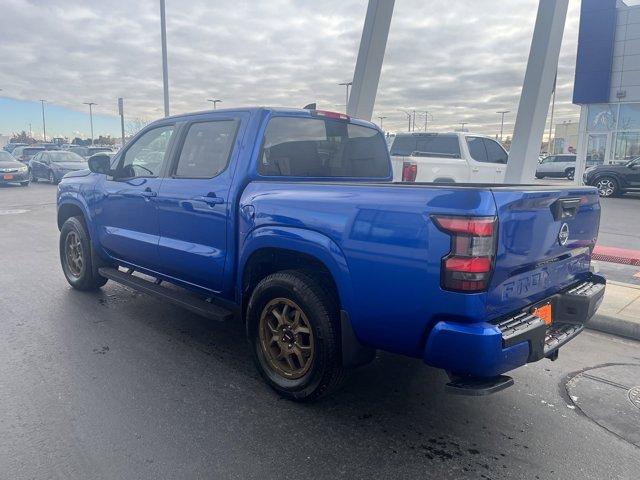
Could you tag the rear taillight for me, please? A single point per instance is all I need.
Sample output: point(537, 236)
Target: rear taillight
point(469, 264)
point(409, 172)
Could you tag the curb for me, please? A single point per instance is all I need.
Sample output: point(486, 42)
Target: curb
point(614, 326)
point(624, 256)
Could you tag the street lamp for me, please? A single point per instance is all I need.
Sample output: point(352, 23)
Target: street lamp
point(346, 84)
point(91, 104)
point(502, 112)
point(44, 124)
point(165, 69)
point(381, 119)
point(215, 101)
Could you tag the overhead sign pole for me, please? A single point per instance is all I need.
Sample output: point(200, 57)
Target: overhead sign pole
point(370, 56)
point(536, 90)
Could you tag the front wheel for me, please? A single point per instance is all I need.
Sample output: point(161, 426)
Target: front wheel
point(607, 187)
point(32, 177)
point(24, 184)
point(76, 256)
point(52, 178)
point(292, 324)
point(570, 173)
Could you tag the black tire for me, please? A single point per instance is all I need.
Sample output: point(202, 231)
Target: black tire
point(24, 184)
point(607, 186)
point(322, 312)
point(32, 177)
point(85, 276)
point(570, 173)
point(52, 178)
point(538, 176)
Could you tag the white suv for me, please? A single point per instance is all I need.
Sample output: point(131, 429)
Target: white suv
point(563, 166)
point(447, 158)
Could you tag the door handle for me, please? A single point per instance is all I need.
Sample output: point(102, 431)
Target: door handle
point(475, 169)
point(209, 199)
point(148, 193)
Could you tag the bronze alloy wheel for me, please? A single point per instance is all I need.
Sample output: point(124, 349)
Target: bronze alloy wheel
point(286, 338)
point(73, 251)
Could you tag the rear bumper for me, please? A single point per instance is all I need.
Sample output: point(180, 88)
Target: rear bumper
point(488, 349)
point(15, 177)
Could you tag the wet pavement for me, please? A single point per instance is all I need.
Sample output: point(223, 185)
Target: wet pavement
point(118, 385)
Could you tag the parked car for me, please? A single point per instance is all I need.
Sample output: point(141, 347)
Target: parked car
point(86, 152)
point(53, 165)
point(559, 166)
point(48, 146)
point(288, 221)
point(24, 154)
point(12, 171)
point(447, 158)
point(612, 180)
point(9, 147)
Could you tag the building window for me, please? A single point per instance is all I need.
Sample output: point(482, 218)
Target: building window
point(627, 146)
point(629, 116)
point(602, 117)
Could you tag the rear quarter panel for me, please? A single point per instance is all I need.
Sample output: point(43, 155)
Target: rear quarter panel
point(392, 249)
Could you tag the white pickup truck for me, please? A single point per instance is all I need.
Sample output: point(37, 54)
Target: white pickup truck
point(448, 158)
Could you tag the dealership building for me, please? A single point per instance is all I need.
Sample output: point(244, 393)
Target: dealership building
point(607, 82)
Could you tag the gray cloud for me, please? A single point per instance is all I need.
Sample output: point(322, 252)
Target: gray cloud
point(461, 60)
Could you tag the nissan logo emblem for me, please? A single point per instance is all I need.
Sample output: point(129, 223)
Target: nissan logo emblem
point(563, 235)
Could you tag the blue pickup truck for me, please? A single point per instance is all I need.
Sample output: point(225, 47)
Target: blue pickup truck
point(288, 221)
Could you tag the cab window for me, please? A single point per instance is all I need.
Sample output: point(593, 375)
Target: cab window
point(146, 156)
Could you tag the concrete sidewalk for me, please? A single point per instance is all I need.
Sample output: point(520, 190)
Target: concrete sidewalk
point(619, 313)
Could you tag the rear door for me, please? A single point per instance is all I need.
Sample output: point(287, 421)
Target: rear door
point(497, 157)
point(482, 171)
point(194, 203)
point(533, 259)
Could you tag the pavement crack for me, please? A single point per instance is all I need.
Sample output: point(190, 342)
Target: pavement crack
point(604, 380)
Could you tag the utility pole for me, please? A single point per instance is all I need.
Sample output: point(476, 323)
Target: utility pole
point(426, 120)
point(414, 120)
point(408, 114)
point(121, 112)
point(91, 104)
point(462, 124)
point(165, 69)
point(30, 134)
point(553, 105)
point(502, 112)
point(346, 84)
point(44, 124)
point(215, 101)
point(381, 119)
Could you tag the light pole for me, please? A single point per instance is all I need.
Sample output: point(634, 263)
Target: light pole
point(215, 101)
point(121, 113)
point(44, 124)
point(502, 112)
point(462, 124)
point(381, 119)
point(346, 84)
point(91, 104)
point(165, 69)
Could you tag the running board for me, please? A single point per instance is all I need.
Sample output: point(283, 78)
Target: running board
point(180, 298)
point(477, 386)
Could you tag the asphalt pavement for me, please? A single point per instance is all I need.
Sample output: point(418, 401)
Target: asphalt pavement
point(116, 384)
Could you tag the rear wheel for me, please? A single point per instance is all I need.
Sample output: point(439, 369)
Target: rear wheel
point(76, 256)
point(607, 186)
point(24, 184)
point(570, 173)
point(32, 177)
point(538, 176)
point(292, 323)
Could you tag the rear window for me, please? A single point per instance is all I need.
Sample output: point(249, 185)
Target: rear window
point(31, 151)
point(427, 145)
point(310, 147)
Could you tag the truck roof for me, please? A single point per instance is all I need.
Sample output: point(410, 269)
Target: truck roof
point(258, 109)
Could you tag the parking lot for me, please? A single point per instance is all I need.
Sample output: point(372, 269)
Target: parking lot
point(118, 385)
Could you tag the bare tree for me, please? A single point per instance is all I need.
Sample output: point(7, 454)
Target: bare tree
point(136, 124)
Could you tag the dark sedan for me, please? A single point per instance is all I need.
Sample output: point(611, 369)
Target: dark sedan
point(612, 180)
point(53, 165)
point(12, 171)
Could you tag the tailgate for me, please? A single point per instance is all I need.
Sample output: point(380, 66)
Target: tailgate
point(545, 240)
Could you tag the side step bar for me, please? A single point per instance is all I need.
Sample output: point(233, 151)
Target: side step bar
point(180, 298)
point(477, 386)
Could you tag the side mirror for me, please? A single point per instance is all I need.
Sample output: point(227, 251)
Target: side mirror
point(100, 164)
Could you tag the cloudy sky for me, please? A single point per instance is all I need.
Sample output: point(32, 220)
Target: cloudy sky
point(462, 60)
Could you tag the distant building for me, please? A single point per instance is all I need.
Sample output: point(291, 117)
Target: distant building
point(565, 137)
point(607, 81)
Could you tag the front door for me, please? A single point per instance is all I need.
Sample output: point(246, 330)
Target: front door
point(194, 204)
point(126, 204)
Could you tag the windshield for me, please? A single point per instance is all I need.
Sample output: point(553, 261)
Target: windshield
point(66, 157)
point(310, 147)
point(6, 157)
point(432, 145)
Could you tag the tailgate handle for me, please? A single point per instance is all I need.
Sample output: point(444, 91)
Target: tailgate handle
point(565, 208)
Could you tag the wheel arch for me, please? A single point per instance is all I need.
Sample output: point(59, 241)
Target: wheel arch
point(69, 206)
